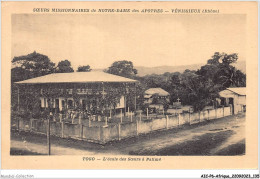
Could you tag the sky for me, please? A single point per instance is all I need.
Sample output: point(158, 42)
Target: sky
point(146, 40)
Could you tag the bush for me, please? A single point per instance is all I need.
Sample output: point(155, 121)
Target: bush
point(24, 114)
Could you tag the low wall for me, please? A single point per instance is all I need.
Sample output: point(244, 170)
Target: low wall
point(194, 118)
point(109, 133)
point(121, 130)
point(158, 124)
point(212, 114)
point(40, 126)
point(24, 125)
point(71, 130)
point(91, 133)
point(204, 115)
point(219, 113)
point(173, 121)
point(56, 128)
point(127, 130)
point(227, 111)
point(144, 127)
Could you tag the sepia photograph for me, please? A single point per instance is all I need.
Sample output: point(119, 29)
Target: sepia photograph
point(129, 86)
point(112, 84)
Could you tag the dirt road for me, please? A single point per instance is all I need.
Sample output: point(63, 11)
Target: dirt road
point(225, 136)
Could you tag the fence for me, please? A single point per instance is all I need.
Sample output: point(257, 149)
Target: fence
point(106, 133)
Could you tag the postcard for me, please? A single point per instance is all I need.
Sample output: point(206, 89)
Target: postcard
point(129, 85)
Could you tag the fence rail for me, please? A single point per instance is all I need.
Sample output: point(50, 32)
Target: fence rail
point(117, 131)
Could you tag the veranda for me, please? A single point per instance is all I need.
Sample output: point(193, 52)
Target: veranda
point(79, 98)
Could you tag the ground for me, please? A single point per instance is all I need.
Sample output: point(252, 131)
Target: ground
point(224, 136)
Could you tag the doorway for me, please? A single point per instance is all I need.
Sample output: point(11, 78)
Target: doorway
point(231, 102)
point(84, 104)
point(57, 105)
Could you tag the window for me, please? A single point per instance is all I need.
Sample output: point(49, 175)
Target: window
point(69, 91)
point(70, 103)
point(84, 91)
point(45, 102)
point(63, 104)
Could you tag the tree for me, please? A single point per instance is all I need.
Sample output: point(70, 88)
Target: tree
point(196, 91)
point(84, 68)
point(31, 66)
point(199, 88)
point(64, 67)
point(153, 81)
point(240, 78)
point(219, 69)
point(223, 58)
point(123, 68)
point(126, 69)
point(26, 67)
point(216, 75)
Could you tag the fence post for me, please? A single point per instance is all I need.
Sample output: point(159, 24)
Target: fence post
point(89, 122)
point(80, 118)
point(105, 121)
point(223, 110)
point(18, 125)
point(128, 112)
point(99, 133)
point(199, 117)
point(208, 113)
point(53, 117)
point(72, 119)
point(119, 128)
point(147, 113)
point(48, 136)
point(31, 124)
point(60, 117)
point(121, 115)
point(81, 131)
point(62, 129)
point(167, 120)
point(99, 118)
point(137, 127)
point(131, 115)
point(189, 117)
point(163, 111)
point(178, 119)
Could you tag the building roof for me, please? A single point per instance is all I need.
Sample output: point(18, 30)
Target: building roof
point(158, 91)
point(147, 96)
point(239, 91)
point(78, 77)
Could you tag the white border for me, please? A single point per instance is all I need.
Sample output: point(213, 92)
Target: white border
point(125, 173)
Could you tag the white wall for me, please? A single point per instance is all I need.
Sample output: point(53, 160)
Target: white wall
point(239, 101)
point(242, 100)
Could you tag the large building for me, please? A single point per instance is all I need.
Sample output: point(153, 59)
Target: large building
point(236, 97)
point(79, 90)
point(156, 97)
